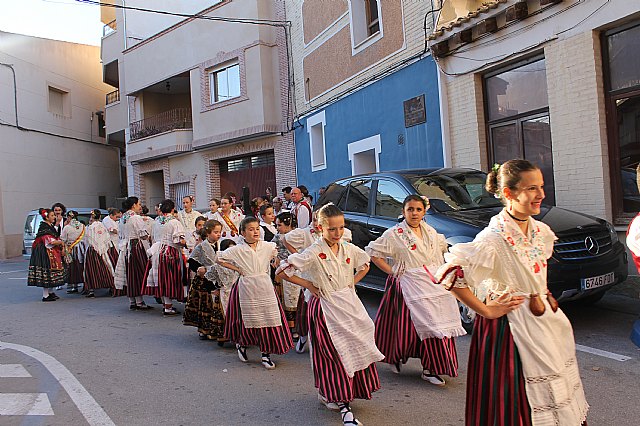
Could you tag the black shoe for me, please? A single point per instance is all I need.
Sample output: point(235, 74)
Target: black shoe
point(159, 301)
point(55, 296)
point(72, 291)
point(133, 307)
point(49, 298)
point(143, 307)
point(90, 294)
point(170, 312)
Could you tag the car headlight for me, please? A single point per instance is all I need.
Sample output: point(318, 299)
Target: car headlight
point(614, 234)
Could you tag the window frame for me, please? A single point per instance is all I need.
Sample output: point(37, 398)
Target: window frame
point(213, 86)
point(318, 119)
point(374, 197)
point(360, 23)
point(349, 186)
point(65, 98)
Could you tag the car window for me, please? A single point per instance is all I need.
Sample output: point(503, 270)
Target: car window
point(358, 196)
point(455, 191)
point(29, 227)
point(389, 199)
point(336, 193)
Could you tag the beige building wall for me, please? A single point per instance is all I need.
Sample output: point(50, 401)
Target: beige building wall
point(54, 157)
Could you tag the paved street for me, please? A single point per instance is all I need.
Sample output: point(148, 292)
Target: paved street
point(92, 361)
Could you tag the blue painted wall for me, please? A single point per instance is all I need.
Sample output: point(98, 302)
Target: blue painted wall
point(377, 109)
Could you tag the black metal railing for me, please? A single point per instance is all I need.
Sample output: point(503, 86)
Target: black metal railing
point(179, 118)
point(112, 97)
point(109, 28)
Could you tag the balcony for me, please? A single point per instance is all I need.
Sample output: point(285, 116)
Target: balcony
point(109, 28)
point(112, 97)
point(179, 118)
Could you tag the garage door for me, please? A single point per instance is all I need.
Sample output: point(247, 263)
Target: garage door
point(256, 171)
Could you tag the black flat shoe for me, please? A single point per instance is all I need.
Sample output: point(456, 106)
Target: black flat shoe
point(133, 307)
point(49, 298)
point(90, 295)
point(143, 307)
point(54, 295)
point(73, 291)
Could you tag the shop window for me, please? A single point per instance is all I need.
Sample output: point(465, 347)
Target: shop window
point(622, 86)
point(518, 118)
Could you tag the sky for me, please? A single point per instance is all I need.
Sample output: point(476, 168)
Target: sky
point(66, 20)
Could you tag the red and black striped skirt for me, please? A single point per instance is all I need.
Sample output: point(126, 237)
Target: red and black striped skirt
point(136, 265)
point(397, 339)
point(75, 269)
point(113, 255)
point(271, 340)
point(495, 383)
point(330, 377)
point(96, 271)
point(173, 275)
point(302, 321)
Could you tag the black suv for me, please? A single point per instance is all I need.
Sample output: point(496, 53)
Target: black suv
point(587, 258)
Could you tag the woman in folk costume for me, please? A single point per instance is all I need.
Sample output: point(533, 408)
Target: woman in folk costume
point(203, 308)
point(110, 222)
point(230, 219)
point(73, 235)
point(254, 314)
point(214, 205)
point(342, 333)
point(223, 279)
point(522, 359)
point(132, 260)
point(99, 269)
point(194, 238)
point(417, 318)
point(288, 293)
point(46, 269)
point(296, 241)
point(166, 274)
point(188, 215)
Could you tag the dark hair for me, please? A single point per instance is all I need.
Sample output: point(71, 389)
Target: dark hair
point(95, 214)
point(507, 175)
point(44, 212)
point(208, 227)
point(189, 197)
point(304, 190)
point(64, 209)
point(72, 214)
point(225, 244)
point(129, 202)
point(286, 189)
point(145, 210)
point(167, 206)
point(288, 219)
point(200, 218)
point(264, 207)
point(112, 211)
point(327, 211)
point(414, 197)
point(246, 222)
point(217, 201)
point(228, 196)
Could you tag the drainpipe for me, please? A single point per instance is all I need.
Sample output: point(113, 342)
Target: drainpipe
point(443, 100)
point(15, 90)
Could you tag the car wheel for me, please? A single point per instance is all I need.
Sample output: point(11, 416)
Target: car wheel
point(591, 299)
point(467, 317)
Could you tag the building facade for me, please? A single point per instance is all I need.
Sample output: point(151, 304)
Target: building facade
point(203, 102)
point(556, 82)
point(51, 128)
point(366, 88)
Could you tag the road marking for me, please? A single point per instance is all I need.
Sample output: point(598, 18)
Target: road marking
point(90, 409)
point(25, 404)
point(602, 353)
point(17, 278)
point(13, 370)
point(13, 272)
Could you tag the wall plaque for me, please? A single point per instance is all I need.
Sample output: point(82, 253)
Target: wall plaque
point(414, 111)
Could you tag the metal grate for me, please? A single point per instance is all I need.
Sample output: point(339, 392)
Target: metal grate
point(574, 247)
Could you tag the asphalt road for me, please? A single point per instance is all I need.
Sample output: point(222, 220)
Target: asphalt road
point(96, 362)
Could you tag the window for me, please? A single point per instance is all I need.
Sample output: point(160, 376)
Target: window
point(364, 155)
point(365, 22)
point(315, 128)
point(336, 193)
point(389, 198)
point(59, 102)
point(225, 83)
point(358, 196)
point(622, 86)
point(177, 191)
point(518, 118)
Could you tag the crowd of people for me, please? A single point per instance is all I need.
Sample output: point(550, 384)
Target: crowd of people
point(283, 274)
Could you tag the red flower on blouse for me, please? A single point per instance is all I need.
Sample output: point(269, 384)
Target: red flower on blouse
point(322, 256)
point(536, 268)
point(312, 231)
point(400, 231)
point(413, 247)
point(511, 241)
point(348, 260)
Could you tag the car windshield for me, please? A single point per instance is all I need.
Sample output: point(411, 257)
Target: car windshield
point(454, 191)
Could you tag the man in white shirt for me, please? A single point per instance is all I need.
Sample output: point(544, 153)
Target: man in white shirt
point(188, 215)
point(288, 202)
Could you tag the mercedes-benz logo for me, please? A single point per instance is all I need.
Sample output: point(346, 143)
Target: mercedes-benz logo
point(592, 245)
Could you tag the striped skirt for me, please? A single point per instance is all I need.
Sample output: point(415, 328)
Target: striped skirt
point(397, 339)
point(330, 377)
point(75, 269)
point(495, 384)
point(113, 255)
point(136, 264)
point(302, 321)
point(203, 310)
point(271, 340)
point(173, 275)
point(96, 271)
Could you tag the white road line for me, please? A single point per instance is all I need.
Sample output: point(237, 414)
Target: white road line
point(25, 404)
point(17, 278)
point(602, 353)
point(13, 370)
point(13, 272)
point(90, 409)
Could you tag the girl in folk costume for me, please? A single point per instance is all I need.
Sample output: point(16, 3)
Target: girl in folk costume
point(73, 234)
point(288, 292)
point(132, 260)
point(167, 274)
point(341, 331)
point(194, 238)
point(416, 318)
point(188, 215)
point(222, 278)
point(111, 224)
point(214, 204)
point(203, 309)
point(99, 268)
point(296, 241)
point(268, 229)
point(522, 359)
point(254, 314)
point(46, 269)
point(229, 218)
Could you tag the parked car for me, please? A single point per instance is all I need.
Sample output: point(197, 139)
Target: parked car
point(588, 258)
point(32, 223)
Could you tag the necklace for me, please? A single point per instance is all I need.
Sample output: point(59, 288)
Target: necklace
point(515, 218)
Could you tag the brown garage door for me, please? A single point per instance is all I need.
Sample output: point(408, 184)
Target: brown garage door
point(256, 171)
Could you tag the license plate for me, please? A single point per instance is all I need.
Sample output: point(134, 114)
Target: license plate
point(599, 281)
